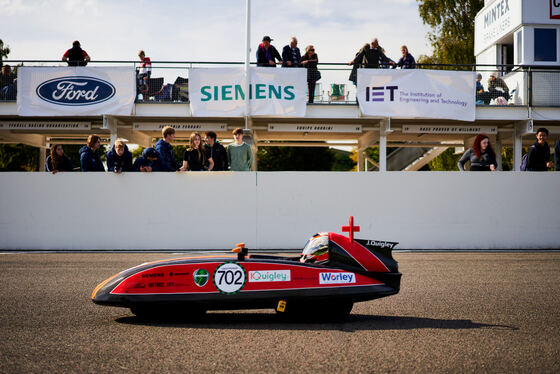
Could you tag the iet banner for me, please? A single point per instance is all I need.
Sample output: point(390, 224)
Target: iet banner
point(75, 91)
point(417, 93)
point(273, 92)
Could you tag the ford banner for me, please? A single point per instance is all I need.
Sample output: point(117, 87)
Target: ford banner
point(75, 91)
point(417, 93)
point(220, 92)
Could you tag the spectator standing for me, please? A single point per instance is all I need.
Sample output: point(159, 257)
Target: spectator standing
point(538, 158)
point(148, 162)
point(479, 88)
point(354, 73)
point(194, 158)
point(240, 155)
point(57, 160)
point(291, 56)
point(166, 156)
point(267, 54)
point(310, 61)
point(481, 156)
point(76, 56)
point(7, 85)
point(216, 152)
point(557, 154)
point(89, 157)
point(372, 57)
point(119, 158)
point(407, 60)
point(144, 73)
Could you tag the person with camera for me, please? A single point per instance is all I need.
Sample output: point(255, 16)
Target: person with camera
point(119, 158)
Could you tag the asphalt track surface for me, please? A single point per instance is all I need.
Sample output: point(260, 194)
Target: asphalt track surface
point(456, 312)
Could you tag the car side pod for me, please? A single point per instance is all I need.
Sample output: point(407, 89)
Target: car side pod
point(334, 272)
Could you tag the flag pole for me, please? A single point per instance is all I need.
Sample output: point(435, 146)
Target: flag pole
point(247, 60)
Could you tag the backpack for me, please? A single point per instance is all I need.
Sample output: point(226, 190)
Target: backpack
point(525, 159)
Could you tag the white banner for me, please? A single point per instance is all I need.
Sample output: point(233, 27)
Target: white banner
point(75, 91)
point(417, 93)
point(273, 92)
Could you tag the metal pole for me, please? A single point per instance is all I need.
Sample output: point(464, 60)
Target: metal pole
point(247, 60)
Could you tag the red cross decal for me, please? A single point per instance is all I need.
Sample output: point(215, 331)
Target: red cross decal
point(351, 228)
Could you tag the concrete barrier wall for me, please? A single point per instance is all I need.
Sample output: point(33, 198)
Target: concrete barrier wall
point(422, 210)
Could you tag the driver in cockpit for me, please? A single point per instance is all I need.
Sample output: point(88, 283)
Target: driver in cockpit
point(316, 249)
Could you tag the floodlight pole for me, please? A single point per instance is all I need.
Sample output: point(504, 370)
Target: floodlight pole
point(247, 60)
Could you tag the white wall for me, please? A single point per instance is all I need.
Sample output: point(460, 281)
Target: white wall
point(432, 210)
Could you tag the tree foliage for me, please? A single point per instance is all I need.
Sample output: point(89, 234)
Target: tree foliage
point(19, 157)
point(452, 35)
point(4, 51)
point(295, 159)
point(445, 161)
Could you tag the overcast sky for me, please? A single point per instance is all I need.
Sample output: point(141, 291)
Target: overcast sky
point(206, 30)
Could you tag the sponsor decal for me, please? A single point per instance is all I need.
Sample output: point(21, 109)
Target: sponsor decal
point(229, 277)
point(381, 244)
point(337, 278)
point(171, 274)
point(156, 284)
point(378, 93)
point(76, 91)
point(153, 275)
point(269, 276)
point(200, 277)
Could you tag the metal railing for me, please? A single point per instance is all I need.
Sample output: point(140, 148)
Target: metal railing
point(515, 85)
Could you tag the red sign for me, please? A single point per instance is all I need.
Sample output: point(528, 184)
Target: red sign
point(554, 9)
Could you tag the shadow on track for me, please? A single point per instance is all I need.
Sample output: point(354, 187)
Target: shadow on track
point(355, 322)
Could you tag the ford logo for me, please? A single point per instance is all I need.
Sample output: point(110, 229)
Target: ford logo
point(76, 91)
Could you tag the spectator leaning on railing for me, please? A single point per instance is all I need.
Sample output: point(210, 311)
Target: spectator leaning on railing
point(481, 156)
point(57, 160)
point(148, 162)
point(89, 157)
point(119, 158)
point(76, 56)
point(407, 60)
point(195, 157)
point(267, 54)
point(291, 56)
point(7, 84)
point(166, 156)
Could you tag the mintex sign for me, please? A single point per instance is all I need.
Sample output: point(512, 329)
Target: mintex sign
point(495, 21)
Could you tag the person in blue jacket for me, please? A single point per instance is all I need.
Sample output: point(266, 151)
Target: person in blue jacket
point(166, 156)
point(119, 158)
point(89, 158)
point(148, 162)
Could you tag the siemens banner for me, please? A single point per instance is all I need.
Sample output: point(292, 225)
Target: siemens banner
point(272, 92)
point(417, 93)
point(75, 91)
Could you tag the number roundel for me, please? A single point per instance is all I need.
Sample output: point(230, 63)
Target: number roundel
point(229, 277)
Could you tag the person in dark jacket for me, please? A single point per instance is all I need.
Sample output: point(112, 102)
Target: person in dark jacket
point(481, 155)
point(291, 56)
point(538, 158)
point(310, 61)
point(119, 158)
point(557, 154)
point(407, 60)
point(267, 54)
point(166, 156)
point(148, 162)
point(76, 56)
point(216, 152)
point(57, 160)
point(372, 57)
point(89, 158)
point(194, 158)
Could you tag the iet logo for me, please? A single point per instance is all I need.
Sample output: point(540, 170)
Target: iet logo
point(378, 93)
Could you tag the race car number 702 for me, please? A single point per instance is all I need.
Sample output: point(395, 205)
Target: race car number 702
point(229, 277)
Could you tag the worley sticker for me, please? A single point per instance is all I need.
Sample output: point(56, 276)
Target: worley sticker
point(337, 278)
point(269, 276)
